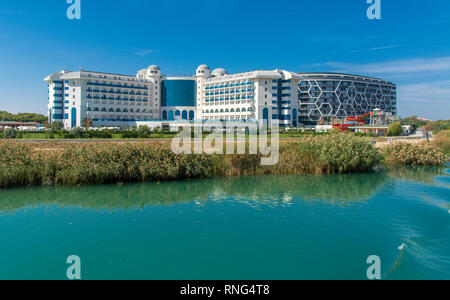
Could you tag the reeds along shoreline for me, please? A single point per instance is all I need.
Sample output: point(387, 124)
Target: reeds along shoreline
point(414, 155)
point(98, 163)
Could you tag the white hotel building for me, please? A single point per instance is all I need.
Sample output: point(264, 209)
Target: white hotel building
point(149, 98)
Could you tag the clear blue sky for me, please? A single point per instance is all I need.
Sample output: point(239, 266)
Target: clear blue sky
point(410, 45)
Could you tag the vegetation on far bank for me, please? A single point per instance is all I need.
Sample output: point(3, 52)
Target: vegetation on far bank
point(143, 132)
point(56, 131)
point(431, 126)
point(23, 117)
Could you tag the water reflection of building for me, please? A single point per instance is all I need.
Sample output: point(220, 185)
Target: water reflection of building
point(285, 190)
point(255, 191)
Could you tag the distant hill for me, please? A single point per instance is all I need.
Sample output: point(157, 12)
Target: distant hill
point(22, 117)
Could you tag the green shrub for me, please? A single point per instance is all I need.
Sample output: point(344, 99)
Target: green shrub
point(99, 134)
point(129, 134)
point(10, 133)
point(414, 155)
point(80, 133)
point(77, 133)
point(69, 136)
point(57, 126)
point(143, 131)
point(395, 129)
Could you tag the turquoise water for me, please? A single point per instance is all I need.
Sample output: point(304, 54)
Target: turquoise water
point(273, 227)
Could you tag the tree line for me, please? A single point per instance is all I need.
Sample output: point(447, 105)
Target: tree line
point(22, 117)
point(432, 126)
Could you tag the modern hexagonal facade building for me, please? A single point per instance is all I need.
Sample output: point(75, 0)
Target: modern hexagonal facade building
point(328, 97)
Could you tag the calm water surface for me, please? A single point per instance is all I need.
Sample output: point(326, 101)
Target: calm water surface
point(274, 227)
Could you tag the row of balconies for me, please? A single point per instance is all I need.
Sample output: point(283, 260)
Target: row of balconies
point(216, 103)
point(229, 92)
point(212, 99)
point(228, 100)
point(122, 103)
point(118, 86)
point(118, 110)
point(235, 117)
point(117, 92)
point(226, 111)
point(116, 99)
point(228, 85)
point(107, 118)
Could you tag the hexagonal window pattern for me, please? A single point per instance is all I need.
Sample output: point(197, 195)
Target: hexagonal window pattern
point(304, 86)
point(333, 99)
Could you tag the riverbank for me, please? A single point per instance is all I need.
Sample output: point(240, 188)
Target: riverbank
point(22, 164)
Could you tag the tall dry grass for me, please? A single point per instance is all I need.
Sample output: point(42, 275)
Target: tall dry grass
point(325, 154)
point(414, 155)
point(97, 163)
point(442, 141)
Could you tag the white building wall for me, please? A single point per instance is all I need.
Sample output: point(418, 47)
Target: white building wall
point(103, 96)
point(237, 100)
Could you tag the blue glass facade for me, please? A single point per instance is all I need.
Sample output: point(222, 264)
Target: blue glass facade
point(178, 93)
point(74, 117)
